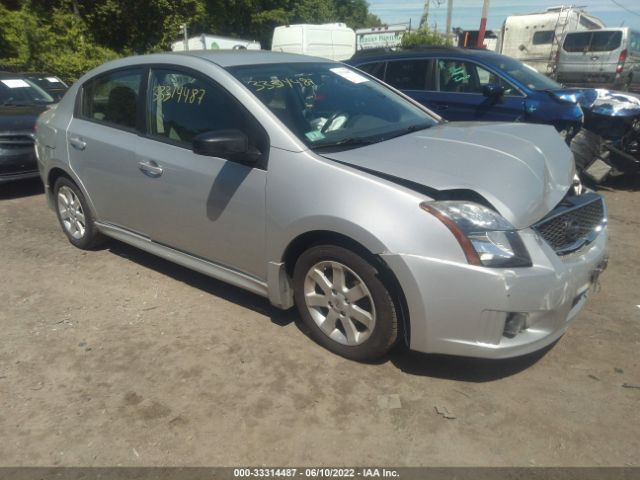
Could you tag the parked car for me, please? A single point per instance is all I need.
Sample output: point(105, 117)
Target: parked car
point(51, 84)
point(21, 101)
point(309, 183)
point(474, 84)
point(609, 142)
point(607, 58)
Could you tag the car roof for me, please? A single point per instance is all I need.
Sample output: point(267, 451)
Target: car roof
point(233, 58)
point(420, 52)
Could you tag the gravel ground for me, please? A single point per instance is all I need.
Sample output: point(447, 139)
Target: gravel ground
point(115, 357)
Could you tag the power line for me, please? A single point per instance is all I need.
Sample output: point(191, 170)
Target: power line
point(625, 8)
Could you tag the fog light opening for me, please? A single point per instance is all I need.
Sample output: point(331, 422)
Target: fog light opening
point(515, 324)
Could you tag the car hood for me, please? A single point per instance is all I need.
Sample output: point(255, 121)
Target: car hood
point(601, 101)
point(19, 118)
point(523, 170)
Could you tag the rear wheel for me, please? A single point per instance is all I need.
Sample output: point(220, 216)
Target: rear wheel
point(345, 303)
point(74, 215)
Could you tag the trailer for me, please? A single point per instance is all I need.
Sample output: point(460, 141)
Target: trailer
point(534, 38)
point(215, 42)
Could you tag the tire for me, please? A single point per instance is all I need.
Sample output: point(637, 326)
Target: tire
point(352, 314)
point(74, 215)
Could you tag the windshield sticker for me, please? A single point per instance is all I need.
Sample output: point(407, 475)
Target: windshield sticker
point(260, 85)
point(350, 75)
point(166, 93)
point(15, 83)
point(314, 135)
point(53, 80)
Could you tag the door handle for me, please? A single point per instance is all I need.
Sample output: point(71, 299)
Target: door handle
point(150, 169)
point(77, 143)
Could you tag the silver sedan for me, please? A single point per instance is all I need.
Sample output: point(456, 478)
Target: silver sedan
point(315, 185)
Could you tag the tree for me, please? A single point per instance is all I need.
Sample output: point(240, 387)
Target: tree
point(422, 36)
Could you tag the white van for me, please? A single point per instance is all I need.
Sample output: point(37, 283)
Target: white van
point(215, 42)
point(607, 58)
point(334, 41)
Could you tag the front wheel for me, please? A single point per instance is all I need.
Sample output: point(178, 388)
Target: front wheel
point(344, 302)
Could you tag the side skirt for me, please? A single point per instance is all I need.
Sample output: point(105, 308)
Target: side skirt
point(205, 267)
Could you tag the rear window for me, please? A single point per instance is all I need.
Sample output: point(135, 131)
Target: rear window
point(543, 37)
point(577, 42)
point(603, 41)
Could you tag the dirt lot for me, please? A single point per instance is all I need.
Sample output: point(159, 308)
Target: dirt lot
point(117, 357)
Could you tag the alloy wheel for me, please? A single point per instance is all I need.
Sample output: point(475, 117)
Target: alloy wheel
point(339, 303)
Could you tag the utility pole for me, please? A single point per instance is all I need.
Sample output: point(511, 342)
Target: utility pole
point(424, 19)
point(449, 12)
point(183, 27)
point(483, 24)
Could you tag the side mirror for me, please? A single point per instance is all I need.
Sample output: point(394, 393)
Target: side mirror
point(493, 90)
point(228, 144)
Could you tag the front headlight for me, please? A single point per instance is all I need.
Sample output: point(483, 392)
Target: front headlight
point(486, 238)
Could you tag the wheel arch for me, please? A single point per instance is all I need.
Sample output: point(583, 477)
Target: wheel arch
point(306, 240)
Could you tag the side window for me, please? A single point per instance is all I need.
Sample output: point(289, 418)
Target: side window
point(407, 74)
point(112, 98)
point(375, 69)
point(458, 77)
point(468, 77)
point(543, 37)
point(181, 106)
point(634, 41)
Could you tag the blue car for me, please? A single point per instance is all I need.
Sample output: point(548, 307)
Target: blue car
point(470, 84)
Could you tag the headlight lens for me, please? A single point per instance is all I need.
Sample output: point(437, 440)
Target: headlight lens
point(486, 238)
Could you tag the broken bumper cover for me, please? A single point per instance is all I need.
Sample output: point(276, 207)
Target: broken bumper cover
point(460, 309)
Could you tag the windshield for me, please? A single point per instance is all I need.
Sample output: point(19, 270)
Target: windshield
point(525, 74)
point(332, 105)
point(22, 91)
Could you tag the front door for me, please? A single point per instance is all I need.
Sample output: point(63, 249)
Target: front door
point(209, 207)
point(460, 96)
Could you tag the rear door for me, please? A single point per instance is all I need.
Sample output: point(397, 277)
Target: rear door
point(459, 95)
point(604, 53)
point(412, 77)
point(103, 139)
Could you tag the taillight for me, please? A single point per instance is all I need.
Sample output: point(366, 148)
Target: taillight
point(621, 60)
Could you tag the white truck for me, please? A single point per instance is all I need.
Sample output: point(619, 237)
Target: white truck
point(534, 38)
point(334, 41)
point(215, 42)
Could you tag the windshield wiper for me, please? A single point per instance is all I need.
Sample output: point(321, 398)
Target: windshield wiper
point(410, 129)
point(347, 142)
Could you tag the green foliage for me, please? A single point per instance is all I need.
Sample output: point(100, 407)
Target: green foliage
point(69, 37)
point(422, 37)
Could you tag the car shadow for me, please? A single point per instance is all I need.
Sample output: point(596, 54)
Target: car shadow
point(204, 283)
point(463, 369)
point(629, 183)
point(21, 188)
point(413, 363)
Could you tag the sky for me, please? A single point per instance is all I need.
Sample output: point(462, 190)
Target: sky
point(466, 13)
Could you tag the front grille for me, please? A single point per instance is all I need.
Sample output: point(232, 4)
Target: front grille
point(573, 224)
point(15, 141)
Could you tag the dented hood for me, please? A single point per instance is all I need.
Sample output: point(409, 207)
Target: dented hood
point(523, 170)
